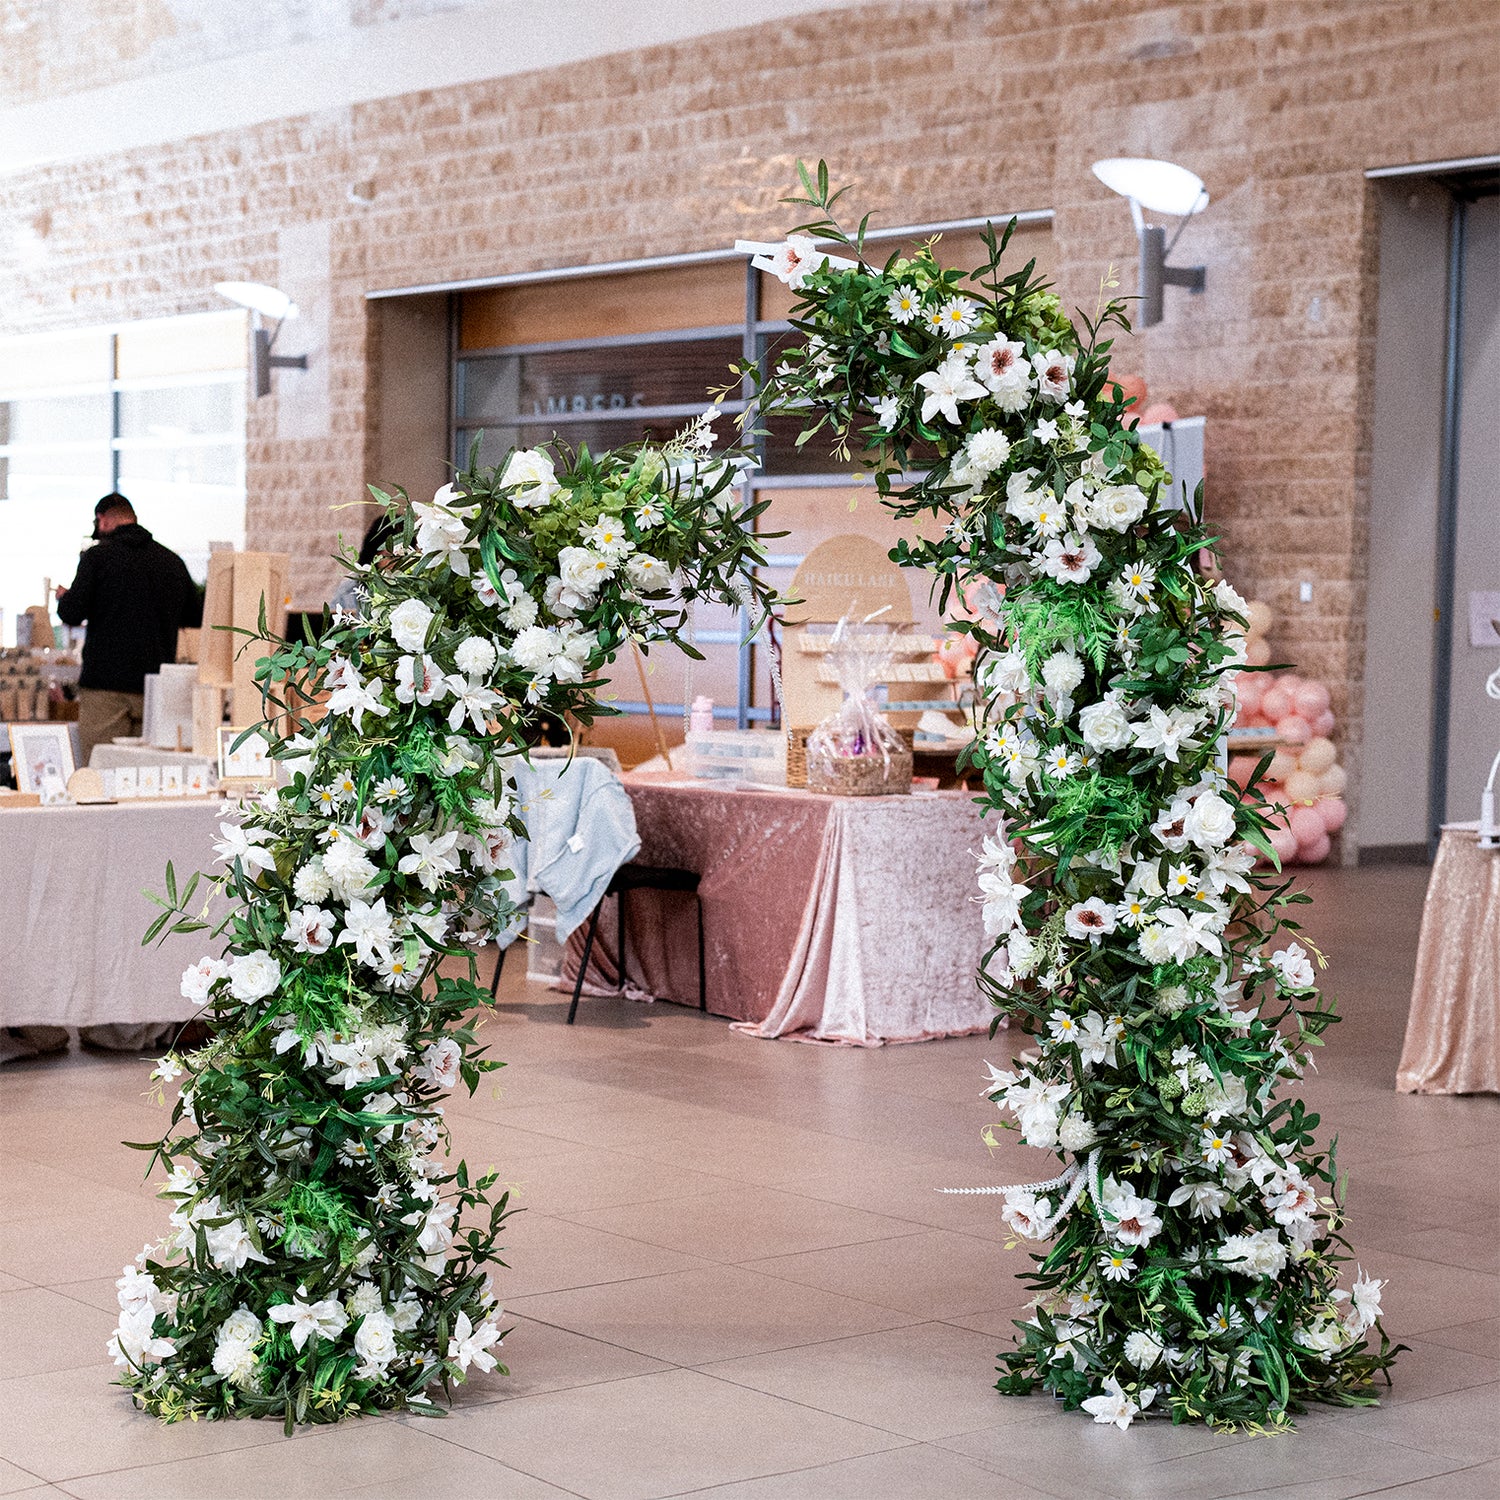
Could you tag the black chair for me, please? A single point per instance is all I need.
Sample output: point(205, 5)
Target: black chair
point(639, 878)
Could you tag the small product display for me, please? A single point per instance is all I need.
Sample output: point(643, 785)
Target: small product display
point(855, 752)
point(42, 759)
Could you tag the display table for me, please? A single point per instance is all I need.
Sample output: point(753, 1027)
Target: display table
point(71, 887)
point(834, 919)
point(110, 757)
point(1453, 1030)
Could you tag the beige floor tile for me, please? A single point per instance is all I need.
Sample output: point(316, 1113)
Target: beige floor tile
point(935, 1274)
point(80, 1246)
point(551, 1255)
point(72, 1423)
point(1481, 1482)
point(380, 1459)
point(717, 1313)
point(41, 1331)
point(485, 1144)
point(101, 1292)
point(1482, 1337)
point(658, 1435)
point(29, 1190)
point(928, 1381)
point(16, 1481)
point(9, 1283)
point(917, 1472)
point(581, 1180)
point(544, 1358)
point(745, 1223)
point(1458, 1427)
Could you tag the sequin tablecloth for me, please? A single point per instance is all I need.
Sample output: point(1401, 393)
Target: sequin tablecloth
point(72, 883)
point(1453, 1030)
point(833, 919)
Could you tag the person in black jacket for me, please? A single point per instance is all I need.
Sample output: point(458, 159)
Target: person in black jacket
point(135, 595)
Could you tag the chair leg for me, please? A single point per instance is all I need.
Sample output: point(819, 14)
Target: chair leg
point(583, 966)
point(620, 937)
point(495, 982)
point(702, 966)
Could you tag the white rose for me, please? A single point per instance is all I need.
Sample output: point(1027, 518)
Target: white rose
point(1293, 965)
point(375, 1343)
point(1230, 599)
point(406, 1314)
point(1104, 725)
point(474, 655)
point(1209, 822)
point(197, 981)
point(582, 570)
point(253, 976)
point(1005, 673)
point(647, 572)
point(241, 1326)
point(409, 622)
point(531, 474)
point(1117, 507)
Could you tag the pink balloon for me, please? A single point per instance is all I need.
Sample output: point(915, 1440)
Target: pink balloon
point(1324, 723)
point(1257, 652)
point(1333, 781)
point(1294, 729)
point(1291, 681)
point(1302, 786)
point(1276, 703)
point(1306, 824)
point(1333, 811)
point(1317, 755)
point(1310, 699)
point(1250, 689)
point(1315, 852)
point(1283, 763)
point(1282, 841)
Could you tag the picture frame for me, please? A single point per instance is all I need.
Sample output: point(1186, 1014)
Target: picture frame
point(150, 782)
point(250, 764)
point(41, 755)
point(171, 781)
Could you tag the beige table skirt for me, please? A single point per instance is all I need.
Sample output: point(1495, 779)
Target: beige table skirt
point(72, 883)
point(1453, 1030)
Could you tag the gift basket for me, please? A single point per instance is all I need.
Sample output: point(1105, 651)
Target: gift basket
point(855, 752)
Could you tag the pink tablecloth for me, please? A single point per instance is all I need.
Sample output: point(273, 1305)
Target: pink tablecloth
point(838, 919)
point(1453, 1030)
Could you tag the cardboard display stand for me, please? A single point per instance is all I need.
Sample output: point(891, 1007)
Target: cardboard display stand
point(238, 584)
point(851, 575)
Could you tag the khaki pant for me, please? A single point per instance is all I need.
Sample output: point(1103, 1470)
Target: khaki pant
point(103, 714)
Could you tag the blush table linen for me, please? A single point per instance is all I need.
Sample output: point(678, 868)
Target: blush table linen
point(72, 883)
point(1453, 1029)
point(831, 919)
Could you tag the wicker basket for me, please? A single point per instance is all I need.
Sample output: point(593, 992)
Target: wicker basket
point(863, 775)
point(796, 761)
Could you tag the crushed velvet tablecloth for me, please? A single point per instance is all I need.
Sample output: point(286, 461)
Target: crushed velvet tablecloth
point(72, 884)
point(833, 919)
point(1453, 1030)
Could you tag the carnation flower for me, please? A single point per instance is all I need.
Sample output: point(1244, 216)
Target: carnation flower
point(1075, 1133)
point(474, 655)
point(1143, 1349)
point(1062, 672)
point(987, 450)
point(1292, 964)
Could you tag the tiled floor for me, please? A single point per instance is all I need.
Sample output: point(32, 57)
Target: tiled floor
point(735, 1279)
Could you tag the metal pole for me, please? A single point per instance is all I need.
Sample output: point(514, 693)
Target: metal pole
point(1447, 529)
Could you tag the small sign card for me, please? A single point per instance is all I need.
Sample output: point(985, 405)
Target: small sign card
point(127, 783)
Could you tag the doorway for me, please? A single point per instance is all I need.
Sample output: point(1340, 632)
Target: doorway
point(1432, 639)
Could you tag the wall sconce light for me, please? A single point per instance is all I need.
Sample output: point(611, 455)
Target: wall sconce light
point(1163, 188)
point(263, 302)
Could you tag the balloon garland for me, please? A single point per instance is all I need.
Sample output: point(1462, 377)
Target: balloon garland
point(1194, 1270)
point(325, 1258)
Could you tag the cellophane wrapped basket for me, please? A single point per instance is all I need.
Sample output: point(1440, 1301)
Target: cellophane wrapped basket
point(855, 752)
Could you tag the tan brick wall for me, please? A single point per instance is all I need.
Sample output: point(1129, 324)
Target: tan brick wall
point(935, 110)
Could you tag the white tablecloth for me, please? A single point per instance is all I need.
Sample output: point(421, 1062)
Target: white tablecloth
point(71, 889)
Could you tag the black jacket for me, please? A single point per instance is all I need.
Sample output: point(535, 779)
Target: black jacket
point(135, 594)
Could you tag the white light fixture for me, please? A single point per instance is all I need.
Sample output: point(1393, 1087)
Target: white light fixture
point(263, 302)
point(1161, 187)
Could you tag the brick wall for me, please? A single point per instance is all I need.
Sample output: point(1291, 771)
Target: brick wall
point(935, 111)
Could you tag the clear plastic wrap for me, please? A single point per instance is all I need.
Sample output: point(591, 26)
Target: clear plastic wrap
point(855, 752)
